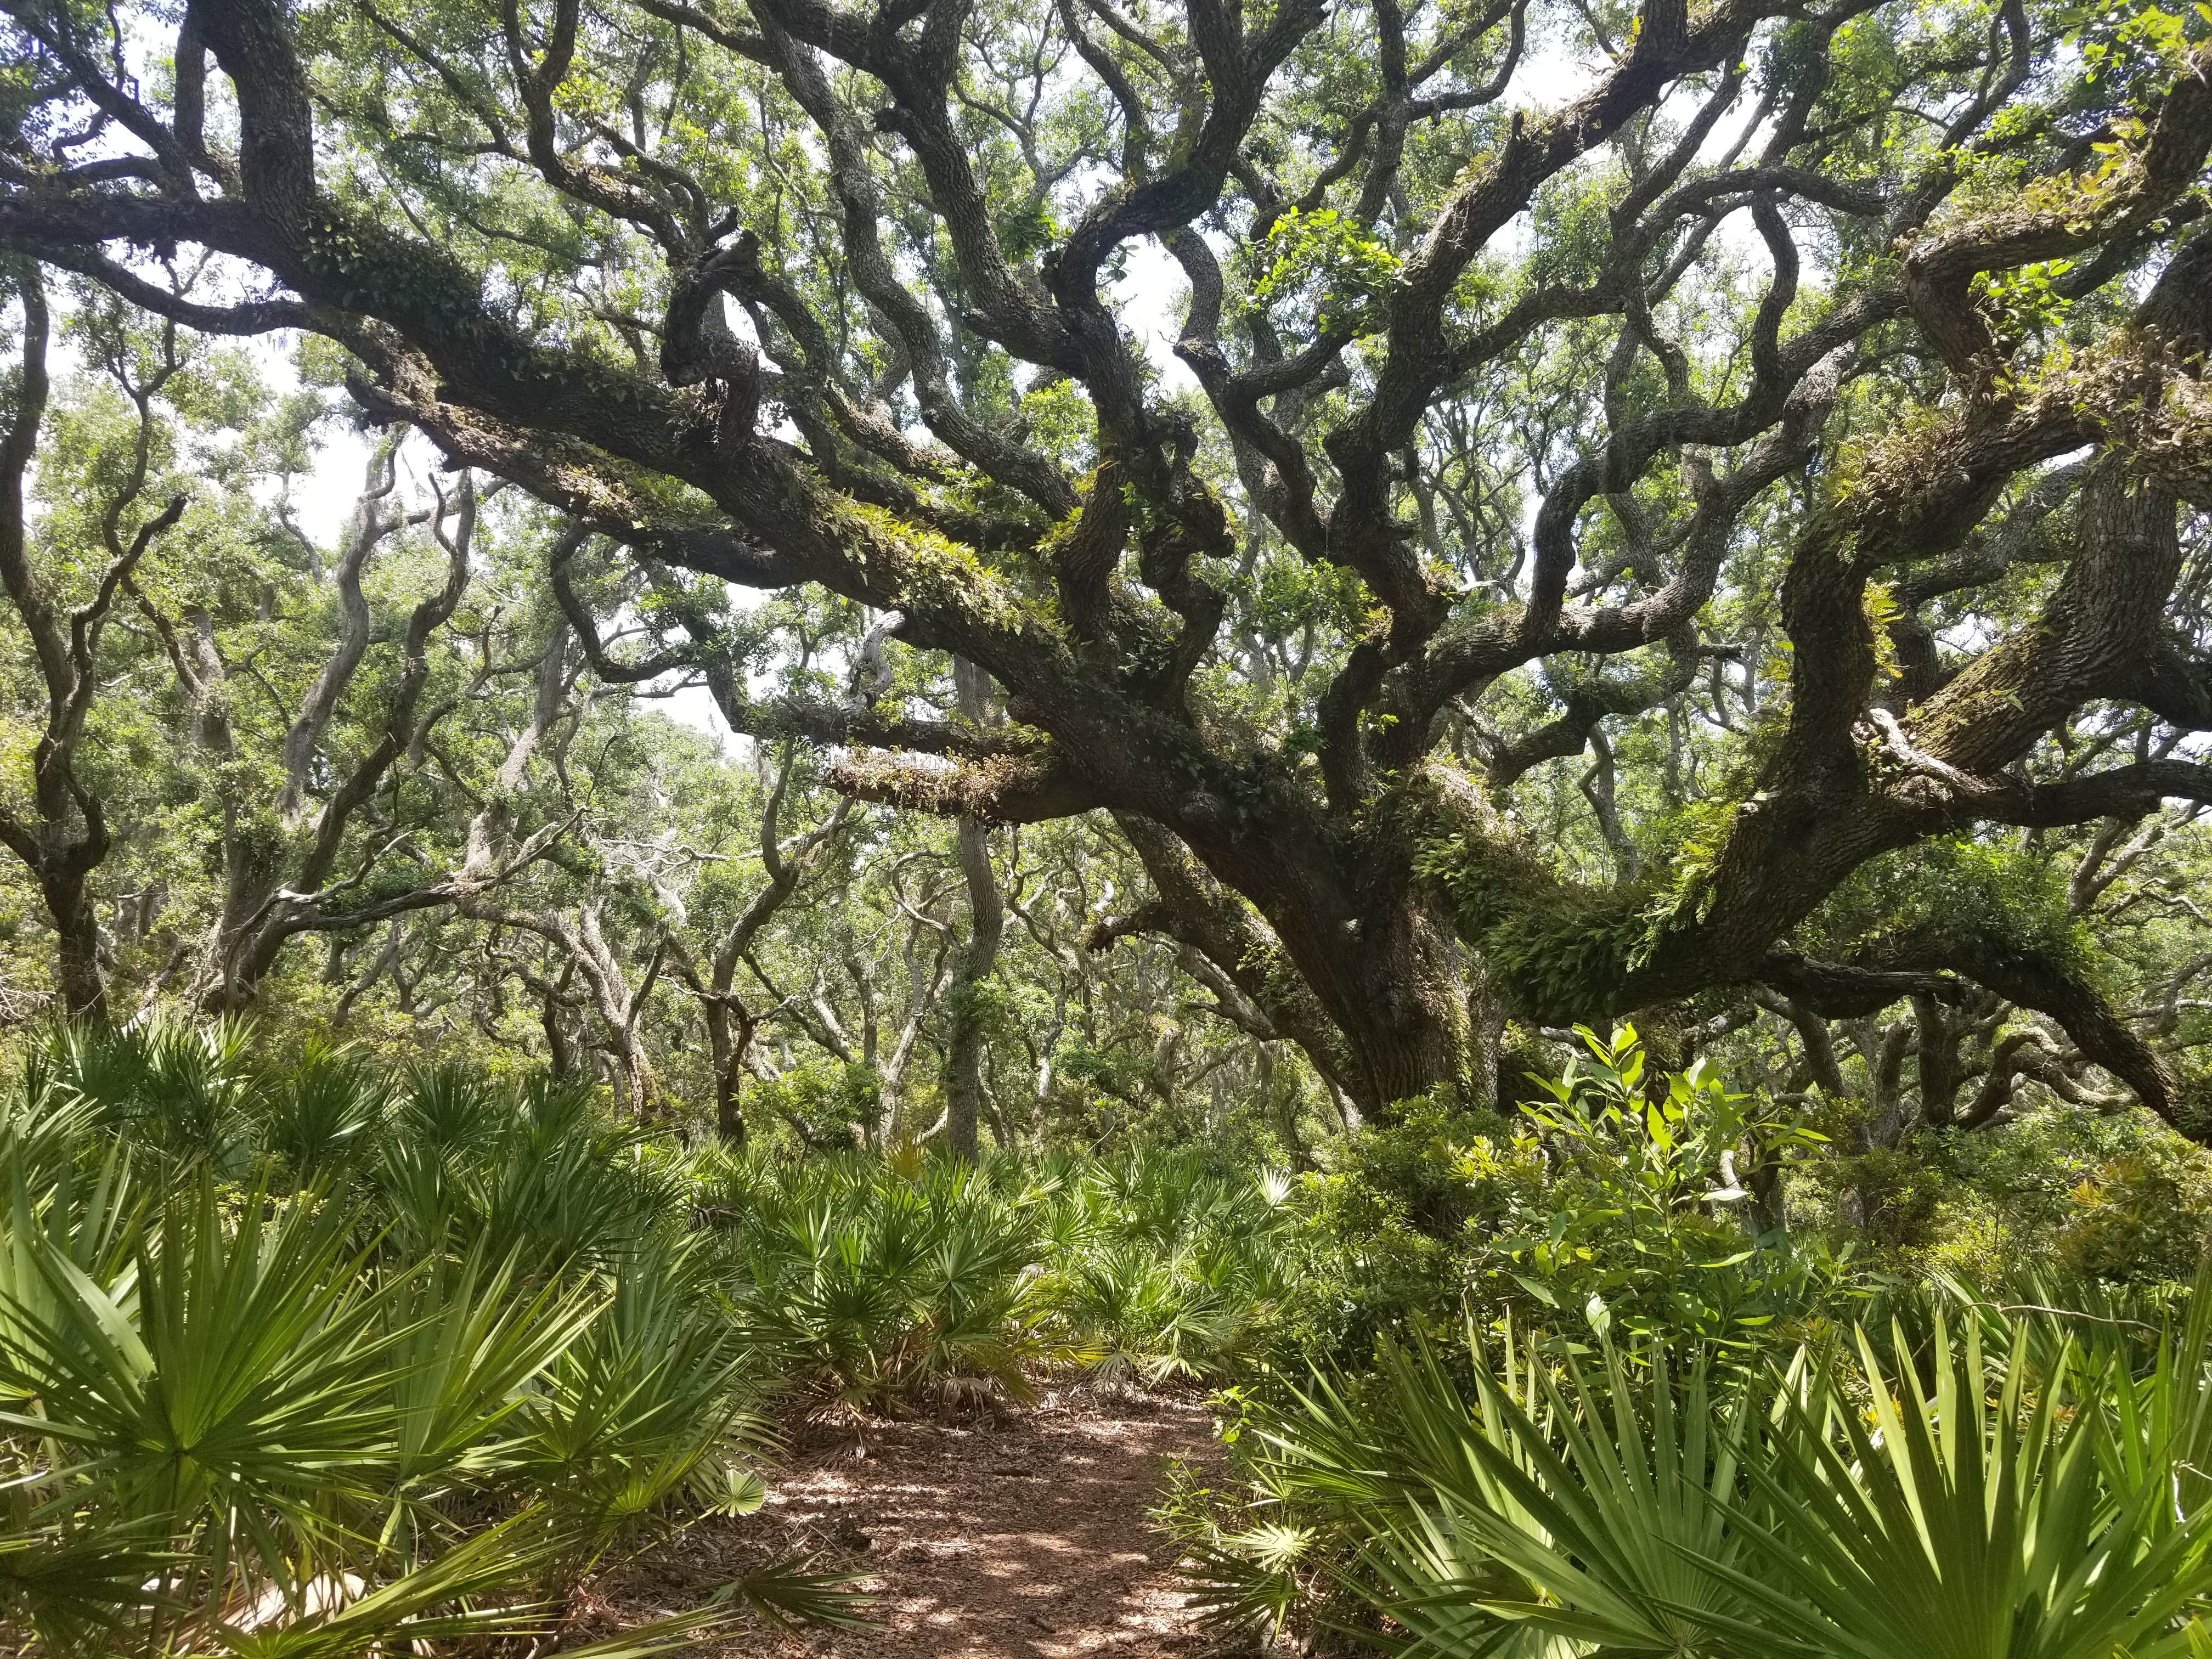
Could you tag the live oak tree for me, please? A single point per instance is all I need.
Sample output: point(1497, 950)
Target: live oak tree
point(303, 853)
point(63, 602)
point(1825, 381)
point(299, 740)
point(222, 737)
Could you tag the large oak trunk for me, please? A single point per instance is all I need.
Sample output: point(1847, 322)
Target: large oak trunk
point(1400, 993)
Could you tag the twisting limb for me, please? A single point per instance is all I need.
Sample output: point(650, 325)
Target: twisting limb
point(65, 837)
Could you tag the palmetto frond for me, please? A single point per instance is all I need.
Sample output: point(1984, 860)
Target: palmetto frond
point(1922, 1499)
point(403, 1403)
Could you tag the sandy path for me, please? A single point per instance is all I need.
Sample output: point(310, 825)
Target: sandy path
point(1028, 1540)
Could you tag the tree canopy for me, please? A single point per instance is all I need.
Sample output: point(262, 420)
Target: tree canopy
point(1522, 513)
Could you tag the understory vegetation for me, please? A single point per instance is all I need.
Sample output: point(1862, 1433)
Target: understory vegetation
point(1647, 1421)
point(301, 1353)
point(313, 1357)
point(1959, 1476)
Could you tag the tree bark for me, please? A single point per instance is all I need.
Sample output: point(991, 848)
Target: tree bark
point(978, 956)
point(979, 959)
point(1368, 979)
point(76, 935)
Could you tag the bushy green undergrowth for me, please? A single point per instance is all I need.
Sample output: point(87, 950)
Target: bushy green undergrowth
point(878, 1284)
point(309, 1357)
point(304, 1358)
point(1567, 1386)
point(312, 1361)
point(1626, 1201)
point(1969, 1477)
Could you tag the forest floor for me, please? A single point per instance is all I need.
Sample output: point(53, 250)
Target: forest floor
point(1025, 1538)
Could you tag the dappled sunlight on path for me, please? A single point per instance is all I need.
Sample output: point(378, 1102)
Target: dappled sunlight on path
point(1029, 1540)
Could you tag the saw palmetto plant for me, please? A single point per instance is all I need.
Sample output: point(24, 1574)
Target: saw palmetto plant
point(237, 1417)
point(878, 1285)
point(1972, 1483)
point(872, 1288)
point(1165, 1269)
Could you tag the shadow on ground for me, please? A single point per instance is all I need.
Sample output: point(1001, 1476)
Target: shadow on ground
point(1028, 1540)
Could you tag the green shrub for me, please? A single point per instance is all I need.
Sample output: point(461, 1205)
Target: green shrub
point(2143, 1217)
point(2000, 1482)
point(1624, 1200)
point(272, 1382)
point(1164, 1268)
point(871, 1288)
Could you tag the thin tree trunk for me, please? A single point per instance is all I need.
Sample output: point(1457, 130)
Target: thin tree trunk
point(729, 1033)
point(979, 958)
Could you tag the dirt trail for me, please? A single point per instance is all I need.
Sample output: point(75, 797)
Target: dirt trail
point(1026, 1540)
